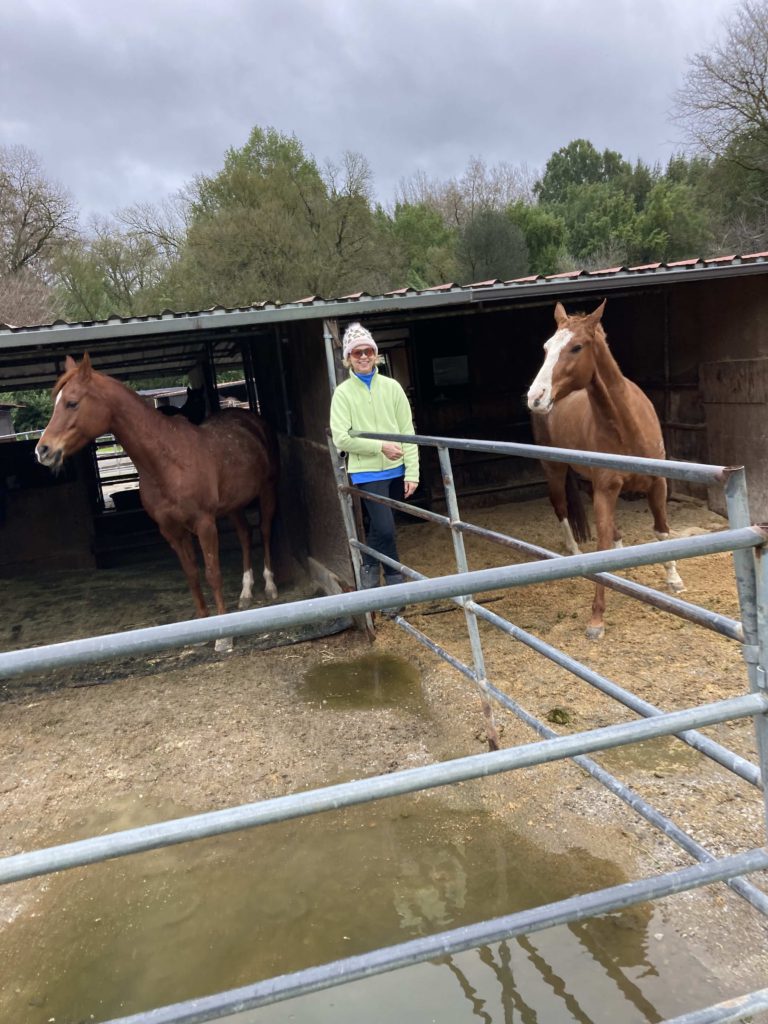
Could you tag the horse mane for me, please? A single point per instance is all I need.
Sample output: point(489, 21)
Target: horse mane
point(73, 371)
point(63, 379)
point(599, 330)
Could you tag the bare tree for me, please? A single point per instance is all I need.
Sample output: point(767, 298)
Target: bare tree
point(745, 232)
point(723, 106)
point(165, 224)
point(36, 214)
point(353, 177)
point(25, 300)
point(480, 188)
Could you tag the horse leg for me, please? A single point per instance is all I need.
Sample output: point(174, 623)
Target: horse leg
point(208, 537)
point(182, 543)
point(657, 502)
point(244, 536)
point(604, 503)
point(267, 506)
point(555, 473)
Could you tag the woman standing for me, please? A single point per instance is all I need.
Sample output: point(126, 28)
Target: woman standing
point(368, 401)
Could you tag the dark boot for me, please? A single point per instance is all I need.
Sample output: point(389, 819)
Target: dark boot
point(389, 579)
point(369, 576)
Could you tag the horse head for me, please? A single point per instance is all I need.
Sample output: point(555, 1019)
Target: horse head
point(79, 415)
point(569, 361)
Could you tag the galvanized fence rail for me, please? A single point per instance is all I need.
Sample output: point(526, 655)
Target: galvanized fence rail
point(745, 541)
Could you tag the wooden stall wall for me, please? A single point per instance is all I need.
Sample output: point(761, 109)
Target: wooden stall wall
point(736, 397)
point(720, 333)
point(46, 522)
point(294, 393)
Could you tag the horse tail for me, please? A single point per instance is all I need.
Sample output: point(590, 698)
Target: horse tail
point(577, 515)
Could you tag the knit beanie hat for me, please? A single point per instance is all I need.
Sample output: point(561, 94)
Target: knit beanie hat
point(356, 335)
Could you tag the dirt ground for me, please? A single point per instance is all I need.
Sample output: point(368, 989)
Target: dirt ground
point(204, 731)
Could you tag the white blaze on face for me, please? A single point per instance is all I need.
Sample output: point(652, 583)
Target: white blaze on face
point(58, 399)
point(540, 392)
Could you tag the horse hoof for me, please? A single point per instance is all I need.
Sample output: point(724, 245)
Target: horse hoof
point(677, 588)
point(271, 593)
point(224, 645)
point(595, 632)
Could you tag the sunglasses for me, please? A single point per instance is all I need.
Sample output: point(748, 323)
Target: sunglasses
point(361, 353)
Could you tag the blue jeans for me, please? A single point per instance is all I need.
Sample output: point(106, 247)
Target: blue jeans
point(380, 532)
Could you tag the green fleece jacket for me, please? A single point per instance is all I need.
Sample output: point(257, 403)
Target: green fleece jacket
point(384, 409)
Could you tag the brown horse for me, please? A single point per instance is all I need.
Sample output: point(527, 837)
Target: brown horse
point(581, 400)
point(188, 475)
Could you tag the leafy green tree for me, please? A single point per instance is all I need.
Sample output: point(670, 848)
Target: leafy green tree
point(600, 220)
point(693, 171)
point(545, 236)
point(491, 246)
point(271, 226)
point(110, 271)
point(672, 225)
point(576, 164)
point(35, 411)
point(426, 246)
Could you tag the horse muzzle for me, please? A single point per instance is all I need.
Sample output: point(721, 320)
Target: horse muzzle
point(541, 405)
point(50, 457)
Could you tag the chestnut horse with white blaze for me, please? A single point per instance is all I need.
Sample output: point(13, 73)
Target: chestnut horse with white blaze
point(581, 400)
point(188, 475)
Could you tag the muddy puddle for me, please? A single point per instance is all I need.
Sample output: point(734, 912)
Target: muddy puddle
point(156, 928)
point(375, 680)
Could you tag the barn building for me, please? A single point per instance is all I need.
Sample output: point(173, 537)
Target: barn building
point(693, 334)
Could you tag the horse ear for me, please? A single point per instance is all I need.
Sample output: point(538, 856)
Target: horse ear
point(85, 366)
point(69, 364)
point(597, 314)
point(560, 315)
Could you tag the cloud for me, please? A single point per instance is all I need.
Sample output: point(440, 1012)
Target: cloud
point(128, 104)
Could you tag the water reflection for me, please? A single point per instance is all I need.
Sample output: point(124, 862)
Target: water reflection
point(191, 920)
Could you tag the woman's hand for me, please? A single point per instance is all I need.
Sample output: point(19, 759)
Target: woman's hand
point(391, 450)
point(409, 487)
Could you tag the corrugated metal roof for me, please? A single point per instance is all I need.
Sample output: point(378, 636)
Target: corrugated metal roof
point(270, 311)
point(169, 342)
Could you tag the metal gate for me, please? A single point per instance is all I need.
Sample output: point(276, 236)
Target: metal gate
point(747, 544)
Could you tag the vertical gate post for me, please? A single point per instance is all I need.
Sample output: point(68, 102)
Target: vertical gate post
point(473, 629)
point(339, 471)
point(751, 570)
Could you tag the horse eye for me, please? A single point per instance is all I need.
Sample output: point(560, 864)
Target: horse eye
point(72, 405)
point(577, 348)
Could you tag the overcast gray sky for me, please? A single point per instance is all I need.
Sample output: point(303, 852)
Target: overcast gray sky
point(127, 101)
